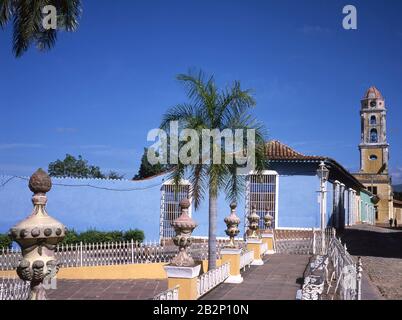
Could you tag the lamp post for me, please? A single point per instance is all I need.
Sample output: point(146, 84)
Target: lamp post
point(323, 173)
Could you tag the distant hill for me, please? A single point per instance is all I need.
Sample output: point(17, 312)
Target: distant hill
point(397, 188)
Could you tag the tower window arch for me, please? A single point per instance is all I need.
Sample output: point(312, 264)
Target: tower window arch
point(373, 120)
point(373, 136)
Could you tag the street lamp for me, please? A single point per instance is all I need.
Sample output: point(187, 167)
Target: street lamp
point(323, 174)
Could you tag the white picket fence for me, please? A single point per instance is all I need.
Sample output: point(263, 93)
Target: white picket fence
point(116, 253)
point(170, 294)
point(346, 276)
point(99, 254)
point(211, 279)
point(246, 258)
point(302, 241)
point(14, 289)
point(264, 248)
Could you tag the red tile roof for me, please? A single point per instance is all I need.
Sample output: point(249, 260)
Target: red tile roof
point(276, 150)
point(373, 93)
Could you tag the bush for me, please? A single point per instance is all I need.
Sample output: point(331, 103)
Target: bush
point(5, 241)
point(93, 236)
point(71, 237)
point(136, 235)
point(114, 236)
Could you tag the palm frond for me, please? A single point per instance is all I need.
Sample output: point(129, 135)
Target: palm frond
point(27, 20)
point(198, 184)
point(70, 12)
point(181, 112)
point(177, 175)
point(235, 184)
point(6, 11)
point(26, 24)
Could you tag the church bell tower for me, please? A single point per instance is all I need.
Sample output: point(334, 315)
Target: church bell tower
point(373, 146)
point(374, 153)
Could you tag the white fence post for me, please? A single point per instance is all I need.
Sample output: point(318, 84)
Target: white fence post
point(359, 270)
point(81, 253)
point(132, 251)
point(314, 242)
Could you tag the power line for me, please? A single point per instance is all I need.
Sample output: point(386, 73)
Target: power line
point(85, 185)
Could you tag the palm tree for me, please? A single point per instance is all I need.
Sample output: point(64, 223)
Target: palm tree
point(27, 16)
point(211, 108)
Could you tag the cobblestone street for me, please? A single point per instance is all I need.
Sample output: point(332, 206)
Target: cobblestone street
point(381, 252)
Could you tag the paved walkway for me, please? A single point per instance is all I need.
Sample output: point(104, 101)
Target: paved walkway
point(278, 279)
point(107, 289)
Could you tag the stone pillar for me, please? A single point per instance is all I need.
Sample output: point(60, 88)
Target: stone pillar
point(356, 218)
point(232, 255)
point(336, 203)
point(183, 271)
point(254, 241)
point(254, 244)
point(268, 238)
point(342, 206)
point(38, 236)
point(185, 278)
point(347, 206)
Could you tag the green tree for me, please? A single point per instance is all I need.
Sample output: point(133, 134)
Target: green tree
point(72, 167)
point(71, 237)
point(135, 235)
point(211, 108)
point(148, 170)
point(27, 18)
point(79, 168)
point(5, 241)
point(113, 175)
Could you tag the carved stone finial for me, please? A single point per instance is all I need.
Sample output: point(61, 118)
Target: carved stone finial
point(253, 221)
point(40, 182)
point(183, 226)
point(185, 203)
point(267, 220)
point(38, 236)
point(232, 222)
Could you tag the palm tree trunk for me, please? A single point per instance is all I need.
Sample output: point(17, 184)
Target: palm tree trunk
point(212, 230)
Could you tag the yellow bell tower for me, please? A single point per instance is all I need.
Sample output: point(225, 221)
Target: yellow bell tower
point(373, 147)
point(374, 152)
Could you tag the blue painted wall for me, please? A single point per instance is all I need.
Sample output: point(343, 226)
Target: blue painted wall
point(365, 199)
point(298, 206)
point(81, 207)
point(88, 203)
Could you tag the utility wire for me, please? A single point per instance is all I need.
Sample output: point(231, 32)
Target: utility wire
point(84, 185)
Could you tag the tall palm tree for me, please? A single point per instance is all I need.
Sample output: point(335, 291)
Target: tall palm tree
point(27, 16)
point(211, 108)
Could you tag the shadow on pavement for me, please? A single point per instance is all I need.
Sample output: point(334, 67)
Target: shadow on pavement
point(386, 244)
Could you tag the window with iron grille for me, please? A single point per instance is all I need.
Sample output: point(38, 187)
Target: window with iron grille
point(261, 192)
point(170, 209)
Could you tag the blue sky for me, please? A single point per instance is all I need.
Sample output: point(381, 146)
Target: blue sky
point(102, 88)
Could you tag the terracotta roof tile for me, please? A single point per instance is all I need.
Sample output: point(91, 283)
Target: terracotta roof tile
point(276, 150)
point(373, 93)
